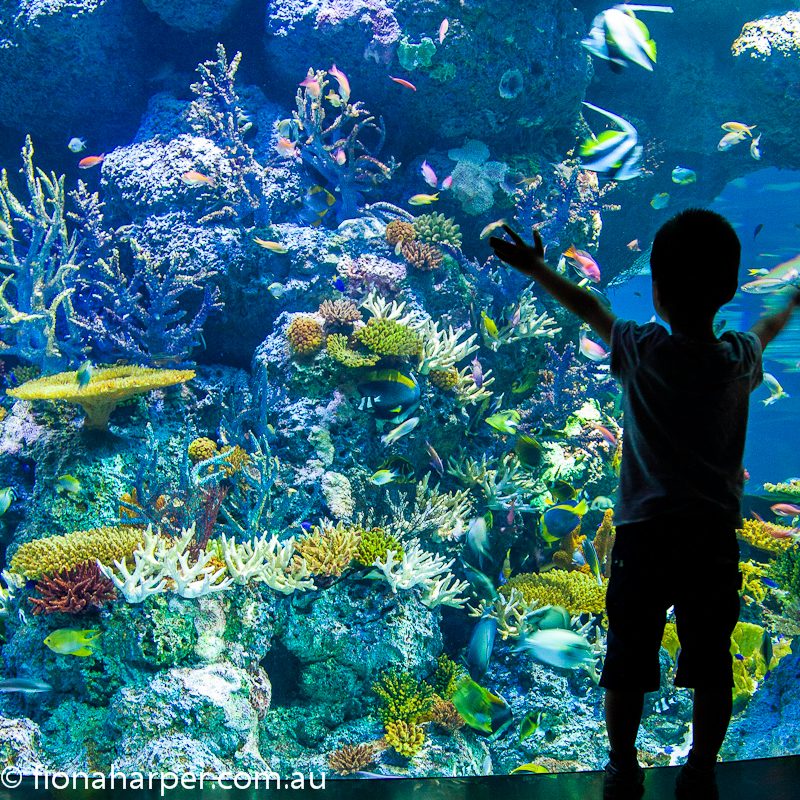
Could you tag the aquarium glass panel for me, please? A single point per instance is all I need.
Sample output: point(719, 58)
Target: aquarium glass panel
point(315, 318)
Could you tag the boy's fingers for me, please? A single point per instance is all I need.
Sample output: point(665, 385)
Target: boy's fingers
point(517, 239)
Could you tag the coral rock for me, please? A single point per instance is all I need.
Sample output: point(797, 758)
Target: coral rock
point(305, 335)
point(201, 449)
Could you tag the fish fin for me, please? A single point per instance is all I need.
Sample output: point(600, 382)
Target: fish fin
point(83, 652)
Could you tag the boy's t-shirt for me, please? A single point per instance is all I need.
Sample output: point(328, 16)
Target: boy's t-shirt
point(685, 405)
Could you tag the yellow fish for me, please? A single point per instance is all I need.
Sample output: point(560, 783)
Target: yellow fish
point(423, 199)
point(273, 247)
point(73, 642)
point(492, 227)
point(490, 325)
point(738, 127)
point(531, 767)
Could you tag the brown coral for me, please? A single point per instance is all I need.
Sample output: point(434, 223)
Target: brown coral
point(340, 312)
point(201, 449)
point(399, 231)
point(445, 715)
point(352, 758)
point(304, 335)
point(73, 591)
point(604, 540)
point(424, 257)
point(444, 379)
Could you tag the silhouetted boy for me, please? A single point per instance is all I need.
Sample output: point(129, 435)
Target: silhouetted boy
point(685, 402)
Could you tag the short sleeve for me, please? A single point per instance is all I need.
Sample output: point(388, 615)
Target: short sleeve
point(623, 346)
point(752, 356)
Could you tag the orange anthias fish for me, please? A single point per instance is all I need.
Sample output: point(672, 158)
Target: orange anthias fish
point(311, 85)
point(591, 349)
point(605, 433)
point(404, 82)
point(634, 247)
point(195, 178)
point(286, 147)
point(341, 79)
point(583, 263)
point(443, 28)
point(91, 161)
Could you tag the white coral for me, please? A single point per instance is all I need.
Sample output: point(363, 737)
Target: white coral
point(525, 323)
point(418, 567)
point(442, 349)
point(380, 309)
point(6, 593)
point(269, 561)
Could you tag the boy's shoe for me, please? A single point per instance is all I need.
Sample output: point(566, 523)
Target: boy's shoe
point(696, 784)
point(623, 784)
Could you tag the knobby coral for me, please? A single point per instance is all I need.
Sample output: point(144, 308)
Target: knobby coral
point(398, 230)
point(437, 229)
point(403, 697)
point(422, 256)
point(375, 543)
point(337, 348)
point(575, 591)
point(304, 335)
point(404, 738)
point(108, 387)
point(56, 554)
point(73, 591)
point(201, 449)
point(352, 758)
point(389, 338)
point(766, 535)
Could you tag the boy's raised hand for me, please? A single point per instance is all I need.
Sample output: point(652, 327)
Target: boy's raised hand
point(517, 253)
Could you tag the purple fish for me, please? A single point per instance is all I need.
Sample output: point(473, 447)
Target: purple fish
point(477, 372)
point(436, 461)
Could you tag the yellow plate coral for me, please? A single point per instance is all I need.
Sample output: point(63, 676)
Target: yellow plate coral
point(107, 387)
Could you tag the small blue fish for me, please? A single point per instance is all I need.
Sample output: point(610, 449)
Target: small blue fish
point(84, 373)
point(339, 284)
point(769, 582)
point(739, 657)
point(305, 525)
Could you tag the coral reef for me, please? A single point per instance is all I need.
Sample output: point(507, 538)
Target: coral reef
point(766, 536)
point(73, 591)
point(305, 335)
point(352, 758)
point(575, 591)
point(387, 337)
point(107, 387)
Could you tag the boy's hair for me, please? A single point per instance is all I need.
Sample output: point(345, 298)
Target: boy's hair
point(695, 262)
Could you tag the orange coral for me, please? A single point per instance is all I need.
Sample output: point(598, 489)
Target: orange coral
point(604, 540)
point(304, 335)
point(399, 231)
point(424, 257)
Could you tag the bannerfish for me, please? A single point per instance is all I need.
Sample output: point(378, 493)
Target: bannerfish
point(76, 144)
point(615, 153)
point(389, 393)
point(619, 37)
point(73, 642)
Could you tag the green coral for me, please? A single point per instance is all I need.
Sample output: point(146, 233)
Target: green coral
point(337, 346)
point(168, 638)
point(575, 591)
point(386, 337)
point(58, 553)
point(444, 72)
point(446, 677)
point(438, 229)
point(786, 571)
point(376, 543)
point(404, 697)
point(413, 56)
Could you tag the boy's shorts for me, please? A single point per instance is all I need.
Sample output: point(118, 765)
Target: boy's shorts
point(691, 564)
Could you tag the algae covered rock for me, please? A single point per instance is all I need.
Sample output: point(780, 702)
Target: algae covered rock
point(193, 16)
point(206, 710)
point(20, 745)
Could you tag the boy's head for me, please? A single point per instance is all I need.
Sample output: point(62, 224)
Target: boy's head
point(695, 264)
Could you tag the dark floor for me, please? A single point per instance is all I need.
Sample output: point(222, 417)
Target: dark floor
point(764, 779)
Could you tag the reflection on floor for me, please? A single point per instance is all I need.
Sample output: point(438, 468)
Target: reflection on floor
point(763, 779)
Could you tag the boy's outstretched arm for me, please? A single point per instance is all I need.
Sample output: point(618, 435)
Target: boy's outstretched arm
point(530, 261)
point(767, 328)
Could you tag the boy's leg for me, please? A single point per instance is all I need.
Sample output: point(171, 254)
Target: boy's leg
point(623, 715)
point(712, 713)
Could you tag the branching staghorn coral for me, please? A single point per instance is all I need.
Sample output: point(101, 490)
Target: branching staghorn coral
point(38, 264)
point(380, 309)
point(508, 483)
point(162, 563)
point(467, 390)
point(525, 322)
point(269, 561)
point(417, 567)
point(442, 515)
point(333, 135)
point(217, 114)
point(329, 549)
point(442, 349)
